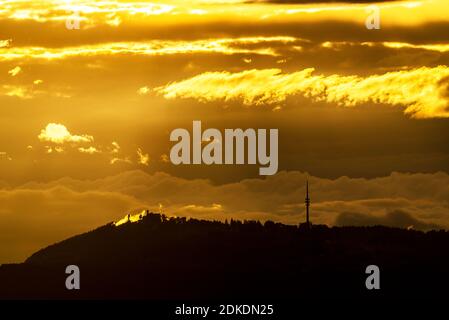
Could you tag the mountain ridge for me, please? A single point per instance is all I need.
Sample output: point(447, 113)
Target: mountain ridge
point(177, 258)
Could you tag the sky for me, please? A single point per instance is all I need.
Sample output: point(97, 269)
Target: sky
point(90, 91)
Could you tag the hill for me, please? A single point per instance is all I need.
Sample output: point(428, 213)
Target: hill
point(175, 258)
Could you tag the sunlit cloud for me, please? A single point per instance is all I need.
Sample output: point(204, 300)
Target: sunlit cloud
point(115, 147)
point(120, 160)
point(144, 90)
point(143, 158)
point(31, 91)
point(66, 142)
point(89, 150)
point(54, 149)
point(164, 158)
point(22, 92)
point(58, 133)
point(5, 43)
point(443, 47)
point(15, 71)
point(97, 11)
point(150, 48)
point(112, 12)
point(423, 91)
point(439, 47)
point(5, 156)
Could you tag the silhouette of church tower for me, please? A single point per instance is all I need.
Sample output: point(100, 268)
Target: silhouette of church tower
point(307, 203)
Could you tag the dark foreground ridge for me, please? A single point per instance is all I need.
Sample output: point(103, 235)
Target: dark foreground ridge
point(161, 258)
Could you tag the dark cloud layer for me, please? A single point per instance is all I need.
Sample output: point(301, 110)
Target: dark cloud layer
point(54, 34)
point(35, 214)
point(396, 219)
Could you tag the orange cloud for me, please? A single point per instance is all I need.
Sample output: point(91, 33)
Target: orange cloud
point(58, 133)
point(423, 92)
point(151, 48)
point(30, 91)
point(5, 43)
point(143, 158)
point(90, 150)
point(15, 71)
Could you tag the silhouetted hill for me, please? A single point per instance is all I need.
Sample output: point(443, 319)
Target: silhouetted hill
point(161, 258)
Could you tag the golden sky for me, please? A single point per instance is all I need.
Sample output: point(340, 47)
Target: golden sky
point(86, 113)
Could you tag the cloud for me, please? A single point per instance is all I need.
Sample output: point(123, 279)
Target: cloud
point(68, 206)
point(90, 150)
point(143, 158)
point(96, 14)
point(164, 158)
point(91, 12)
point(58, 133)
point(120, 160)
point(5, 156)
point(54, 149)
point(66, 142)
point(5, 43)
point(143, 91)
point(242, 45)
point(442, 47)
point(22, 92)
point(15, 71)
point(396, 218)
point(29, 91)
point(33, 219)
point(115, 147)
point(421, 91)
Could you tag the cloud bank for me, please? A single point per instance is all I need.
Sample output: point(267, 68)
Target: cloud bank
point(423, 91)
point(35, 214)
